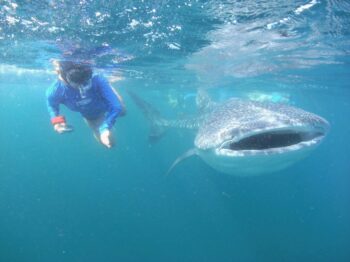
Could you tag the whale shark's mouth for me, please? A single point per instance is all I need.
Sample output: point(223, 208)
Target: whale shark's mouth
point(271, 141)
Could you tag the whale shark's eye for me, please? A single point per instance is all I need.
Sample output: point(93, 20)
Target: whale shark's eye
point(273, 139)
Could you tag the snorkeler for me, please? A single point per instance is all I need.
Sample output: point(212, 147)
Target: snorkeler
point(91, 95)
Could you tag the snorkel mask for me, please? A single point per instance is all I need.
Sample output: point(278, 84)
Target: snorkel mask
point(76, 74)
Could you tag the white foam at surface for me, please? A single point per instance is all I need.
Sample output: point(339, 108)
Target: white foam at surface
point(12, 69)
point(302, 8)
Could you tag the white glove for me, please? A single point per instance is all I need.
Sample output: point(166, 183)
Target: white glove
point(106, 138)
point(62, 128)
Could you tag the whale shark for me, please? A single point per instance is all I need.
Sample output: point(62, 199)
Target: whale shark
point(244, 137)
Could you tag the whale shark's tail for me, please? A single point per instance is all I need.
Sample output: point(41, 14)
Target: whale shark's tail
point(158, 124)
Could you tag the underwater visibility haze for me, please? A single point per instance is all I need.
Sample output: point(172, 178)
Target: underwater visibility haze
point(234, 146)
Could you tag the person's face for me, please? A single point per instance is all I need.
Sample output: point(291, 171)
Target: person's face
point(78, 78)
point(79, 85)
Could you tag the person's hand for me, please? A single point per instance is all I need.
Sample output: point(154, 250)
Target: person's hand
point(62, 128)
point(106, 138)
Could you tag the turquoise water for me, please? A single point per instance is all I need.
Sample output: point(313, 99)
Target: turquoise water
point(66, 198)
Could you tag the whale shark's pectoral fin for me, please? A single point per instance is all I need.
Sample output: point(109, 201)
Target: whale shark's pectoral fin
point(187, 154)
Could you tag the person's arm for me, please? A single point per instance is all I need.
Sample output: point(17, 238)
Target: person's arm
point(53, 105)
point(115, 107)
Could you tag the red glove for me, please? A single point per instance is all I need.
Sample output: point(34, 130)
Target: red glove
point(58, 120)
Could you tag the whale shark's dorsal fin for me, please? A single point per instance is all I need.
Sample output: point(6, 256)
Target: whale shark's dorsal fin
point(203, 101)
point(187, 154)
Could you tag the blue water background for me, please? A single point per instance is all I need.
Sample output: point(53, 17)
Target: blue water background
point(66, 198)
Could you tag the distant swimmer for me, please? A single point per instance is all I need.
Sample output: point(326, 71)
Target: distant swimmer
point(80, 90)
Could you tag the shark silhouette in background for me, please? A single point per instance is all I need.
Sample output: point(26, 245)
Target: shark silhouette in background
point(243, 137)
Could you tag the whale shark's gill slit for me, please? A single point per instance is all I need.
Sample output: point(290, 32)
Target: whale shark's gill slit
point(273, 139)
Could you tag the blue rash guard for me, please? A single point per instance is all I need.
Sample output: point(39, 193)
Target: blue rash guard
point(99, 99)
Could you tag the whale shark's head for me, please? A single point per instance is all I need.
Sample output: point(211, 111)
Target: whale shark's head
point(250, 138)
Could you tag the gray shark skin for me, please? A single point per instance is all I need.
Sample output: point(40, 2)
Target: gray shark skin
point(245, 138)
